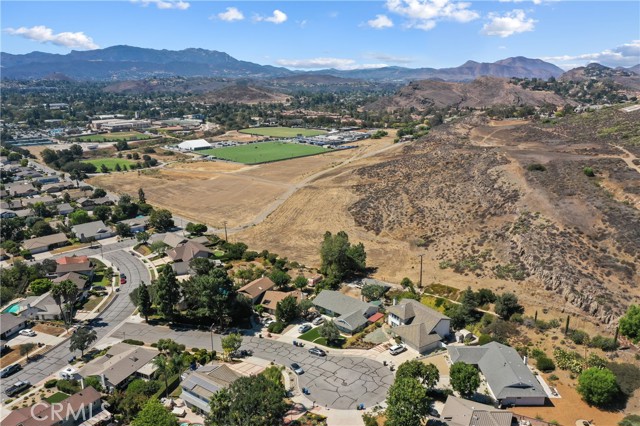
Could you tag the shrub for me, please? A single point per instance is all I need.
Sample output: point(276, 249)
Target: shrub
point(579, 337)
point(597, 386)
point(553, 377)
point(588, 171)
point(630, 420)
point(604, 343)
point(369, 420)
point(276, 327)
point(68, 386)
point(133, 342)
point(536, 167)
point(545, 364)
point(50, 383)
point(484, 339)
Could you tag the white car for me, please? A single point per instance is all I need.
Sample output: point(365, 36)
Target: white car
point(304, 328)
point(397, 349)
point(318, 321)
point(27, 332)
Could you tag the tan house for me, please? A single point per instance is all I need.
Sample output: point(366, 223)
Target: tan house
point(257, 288)
point(271, 299)
point(46, 243)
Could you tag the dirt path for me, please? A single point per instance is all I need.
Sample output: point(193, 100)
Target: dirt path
point(628, 158)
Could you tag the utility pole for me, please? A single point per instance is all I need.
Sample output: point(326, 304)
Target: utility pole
point(420, 282)
point(225, 231)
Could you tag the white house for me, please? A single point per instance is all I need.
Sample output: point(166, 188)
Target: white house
point(419, 326)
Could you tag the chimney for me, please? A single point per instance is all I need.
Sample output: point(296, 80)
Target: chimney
point(395, 301)
point(81, 382)
point(103, 381)
point(524, 358)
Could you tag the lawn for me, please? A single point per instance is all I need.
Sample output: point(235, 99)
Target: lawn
point(109, 162)
point(263, 152)
point(313, 336)
point(92, 303)
point(112, 137)
point(282, 132)
point(57, 397)
point(218, 253)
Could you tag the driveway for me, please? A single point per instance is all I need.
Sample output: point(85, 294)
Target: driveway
point(336, 381)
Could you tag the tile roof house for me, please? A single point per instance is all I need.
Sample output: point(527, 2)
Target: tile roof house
point(121, 362)
point(46, 243)
point(256, 289)
point(188, 251)
point(92, 230)
point(419, 326)
point(80, 264)
point(79, 280)
point(199, 386)
point(509, 379)
point(271, 299)
point(10, 325)
point(463, 412)
point(352, 313)
point(80, 408)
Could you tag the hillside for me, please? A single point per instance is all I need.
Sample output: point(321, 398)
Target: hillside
point(480, 93)
point(628, 79)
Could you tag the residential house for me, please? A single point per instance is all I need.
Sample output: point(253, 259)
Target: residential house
point(48, 179)
point(46, 199)
point(120, 364)
point(174, 240)
point(92, 231)
point(64, 209)
point(52, 188)
point(137, 224)
point(199, 386)
point(351, 313)
point(46, 243)
point(463, 412)
point(84, 407)
point(21, 189)
point(10, 325)
point(509, 380)
point(102, 201)
point(419, 326)
point(24, 213)
point(42, 307)
point(81, 282)
point(271, 299)
point(12, 205)
point(256, 289)
point(7, 214)
point(188, 251)
point(85, 202)
point(78, 264)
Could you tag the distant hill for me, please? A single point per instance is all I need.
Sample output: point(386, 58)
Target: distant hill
point(635, 68)
point(480, 93)
point(625, 77)
point(118, 63)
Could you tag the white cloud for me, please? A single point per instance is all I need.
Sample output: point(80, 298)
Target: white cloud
point(383, 57)
point(381, 21)
point(302, 24)
point(510, 23)
point(278, 17)
point(231, 14)
point(533, 1)
point(625, 55)
point(320, 63)
point(425, 14)
point(42, 34)
point(165, 4)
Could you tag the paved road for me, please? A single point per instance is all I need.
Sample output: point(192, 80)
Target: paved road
point(337, 381)
point(119, 310)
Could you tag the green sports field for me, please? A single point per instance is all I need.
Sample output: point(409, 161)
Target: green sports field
point(112, 137)
point(282, 132)
point(263, 152)
point(109, 162)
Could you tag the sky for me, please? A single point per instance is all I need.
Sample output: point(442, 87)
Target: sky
point(337, 34)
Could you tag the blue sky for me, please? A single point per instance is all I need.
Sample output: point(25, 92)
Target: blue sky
point(346, 35)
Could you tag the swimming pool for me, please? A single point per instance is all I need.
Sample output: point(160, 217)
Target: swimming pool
point(12, 309)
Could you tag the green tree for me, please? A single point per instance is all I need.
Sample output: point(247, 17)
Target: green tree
point(330, 332)
point(99, 193)
point(168, 292)
point(426, 374)
point(154, 414)
point(164, 369)
point(597, 386)
point(406, 282)
point(254, 400)
point(507, 305)
point(280, 278)
point(339, 258)
point(464, 378)
point(196, 228)
point(161, 220)
point(142, 199)
point(104, 169)
point(82, 339)
point(40, 209)
point(305, 306)
point(372, 291)
point(300, 282)
point(201, 265)
point(144, 301)
point(143, 237)
point(26, 348)
point(40, 286)
point(630, 323)
point(65, 294)
point(79, 217)
point(630, 420)
point(123, 230)
point(102, 212)
point(41, 228)
point(287, 310)
point(407, 403)
point(231, 343)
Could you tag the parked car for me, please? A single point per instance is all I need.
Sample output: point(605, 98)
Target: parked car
point(16, 388)
point(318, 321)
point(268, 321)
point(397, 349)
point(123, 281)
point(317, 352)
point(123, 276)
point(304, 328)
point(296, 368)
point(8, 371)
point(27, 332)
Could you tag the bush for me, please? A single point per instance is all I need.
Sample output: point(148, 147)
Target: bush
point(172, 383)
point(630, 420)
point(588, 171)
point(133, 342)
point(68, 386)
point(536, 167)
point(604, 343)
point(545, 364)
point(369, 420)
point(579, 337)
point(276, 327)
point(597, 386)
point(50, 383)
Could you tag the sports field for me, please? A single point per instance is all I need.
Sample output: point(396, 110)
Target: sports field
point(109, 162)
point(282, 132)
point(112, 137)
point(263, 152)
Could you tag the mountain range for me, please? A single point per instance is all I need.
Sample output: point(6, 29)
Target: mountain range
point(119, 63)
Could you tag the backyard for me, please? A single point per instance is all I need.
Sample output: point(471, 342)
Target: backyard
point(263, 152)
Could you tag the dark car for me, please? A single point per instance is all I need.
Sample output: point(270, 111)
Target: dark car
point(296, 368)
point(8, 371)
point(317, 352)
point(123, 276)
point(16, 388)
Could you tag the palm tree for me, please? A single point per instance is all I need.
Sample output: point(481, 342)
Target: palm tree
point(57, 293)
point(167, 366)
point(68, 292)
